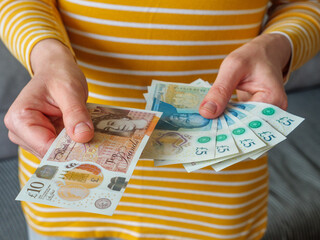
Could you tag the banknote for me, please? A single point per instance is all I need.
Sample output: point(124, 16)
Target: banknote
point(245, 139)
point(229, 162)
point(92, 176)
point(245, 130)
point(282, 121)
point(271, 133)
point(181, 133)
point(261, 128)
point(225, 147)
point(247, 121)
point(200, 82)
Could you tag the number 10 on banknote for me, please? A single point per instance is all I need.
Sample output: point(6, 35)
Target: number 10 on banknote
point(92, 177)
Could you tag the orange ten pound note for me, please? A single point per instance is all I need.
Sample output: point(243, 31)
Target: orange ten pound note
point(92, 176)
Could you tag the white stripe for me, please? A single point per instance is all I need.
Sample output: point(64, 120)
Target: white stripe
point(104, 229)
point(310, 25)
point(11, 3)
point(305, 4)
point(192, 212)
point(147, 73)
point(17, 33)
point(163, 169)
point(171, 169)
point(17, 46)
point(145, 215)
point(204, 182)
point(28, 49)
point(26, 160)
point(26, 56)
point(148, 57)
point(299, 53)
point(116, 99)
point(24, 12)
point(22, 179)
point(293, 53)
point(253, 236)
point(304, 37)
point(194, 202)
point(25, 171)
point(309, 12)
point(244, 171)
point(190, 221)
point(142, 235)
point(159, 26)
point(21, 45)
point(155, 41)
point(166, 10)
point(198, 192)
point(187, 201)
point(129, 223)
point(168, 169)
point(116, 85)
point(152, 207)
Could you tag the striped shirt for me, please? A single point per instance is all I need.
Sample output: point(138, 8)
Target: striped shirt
point(121, 46)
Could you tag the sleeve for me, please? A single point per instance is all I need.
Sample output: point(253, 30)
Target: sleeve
point(24, 23)
point(299, 21)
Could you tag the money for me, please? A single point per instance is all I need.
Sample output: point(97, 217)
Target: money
point(281, 120)
point(181, 134)
point(246, 130)
point(92, 176)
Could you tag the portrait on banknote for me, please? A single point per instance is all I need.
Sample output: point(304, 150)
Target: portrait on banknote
point(175, 119)
point(92, 176)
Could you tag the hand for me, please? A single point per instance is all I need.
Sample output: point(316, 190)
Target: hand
point(54, 98)
point(255, 70)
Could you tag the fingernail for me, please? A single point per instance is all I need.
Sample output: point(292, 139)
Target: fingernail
point(210, 107)
point(81, 127)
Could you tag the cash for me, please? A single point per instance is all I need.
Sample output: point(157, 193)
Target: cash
point(245, 130)
point(182, 134)
point(92, 176)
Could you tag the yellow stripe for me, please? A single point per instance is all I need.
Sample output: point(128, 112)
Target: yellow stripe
point(163, 201)
point(160, 18)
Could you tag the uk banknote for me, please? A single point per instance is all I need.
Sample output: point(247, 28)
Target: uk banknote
point(92, 176)
point(181, 134)
point(246, 130)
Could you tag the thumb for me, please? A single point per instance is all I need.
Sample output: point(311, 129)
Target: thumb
point(221, 91)
point(76, 117)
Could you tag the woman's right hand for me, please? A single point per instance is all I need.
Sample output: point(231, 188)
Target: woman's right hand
point(53, 99)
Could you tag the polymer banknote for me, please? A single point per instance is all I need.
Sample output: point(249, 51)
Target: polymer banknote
point(92, 176)
point(181, 134)
point(245, 130)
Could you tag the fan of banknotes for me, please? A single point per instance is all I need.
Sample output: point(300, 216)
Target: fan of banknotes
point(246, 130)
point(92, 176)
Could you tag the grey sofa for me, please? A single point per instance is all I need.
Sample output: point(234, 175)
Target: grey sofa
point(294, 202)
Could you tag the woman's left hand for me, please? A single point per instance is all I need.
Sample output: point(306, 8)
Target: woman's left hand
point(255, 70)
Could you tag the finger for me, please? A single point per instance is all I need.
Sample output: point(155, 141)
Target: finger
point(76, 117)
point(275, 97)
point(243, 96)
point(57, 122)
point(33, 131)
point(15, 139)
point(269, 90)
point(230, 73)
